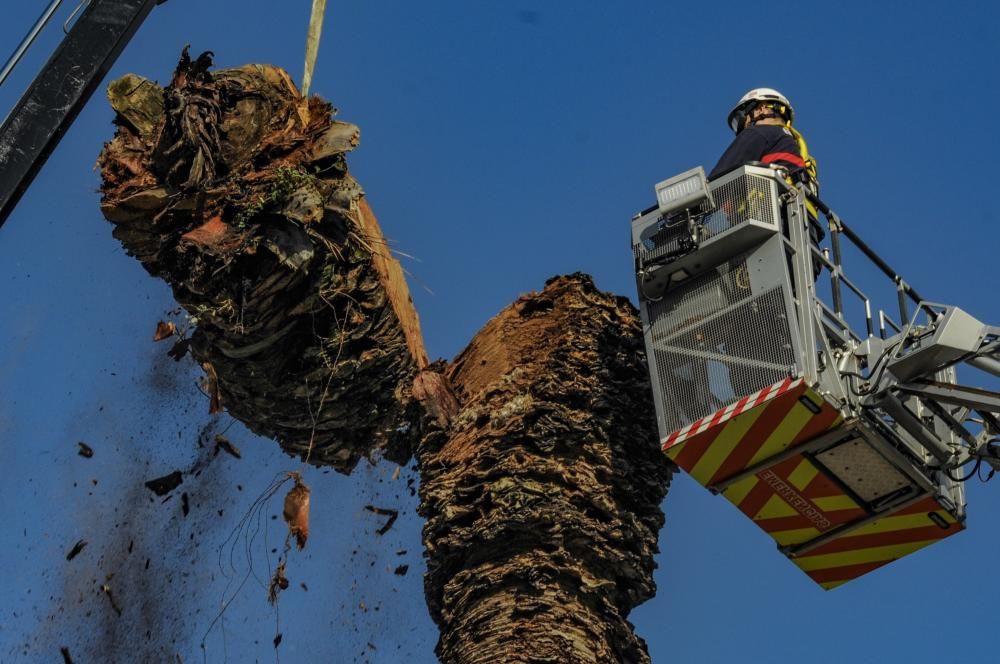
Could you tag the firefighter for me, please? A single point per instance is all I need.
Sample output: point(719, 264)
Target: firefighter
point(762, 121)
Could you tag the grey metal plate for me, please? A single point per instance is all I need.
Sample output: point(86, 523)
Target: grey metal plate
point(864, 470)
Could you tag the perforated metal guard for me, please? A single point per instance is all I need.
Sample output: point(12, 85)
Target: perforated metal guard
point(744, 198)
point(713, 342)
point(864, 471)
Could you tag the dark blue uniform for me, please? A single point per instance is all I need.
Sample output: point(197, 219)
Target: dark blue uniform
point(769, 144)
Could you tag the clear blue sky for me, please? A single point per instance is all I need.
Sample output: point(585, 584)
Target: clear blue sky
point(502, 143)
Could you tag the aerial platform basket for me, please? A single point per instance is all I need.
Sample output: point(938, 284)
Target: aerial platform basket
point(760, 384)
point(837, 500)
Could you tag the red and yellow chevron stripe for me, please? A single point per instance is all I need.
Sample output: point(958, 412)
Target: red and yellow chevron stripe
point(878, 543)
point(793, 500)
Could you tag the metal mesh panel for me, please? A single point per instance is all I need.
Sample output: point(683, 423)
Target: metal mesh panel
point(713, 342)
point(744, 198)
point(737, 201)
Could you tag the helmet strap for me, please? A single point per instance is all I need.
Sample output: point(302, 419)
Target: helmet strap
point(768, 114)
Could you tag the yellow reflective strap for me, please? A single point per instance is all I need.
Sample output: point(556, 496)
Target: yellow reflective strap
point(811, 166)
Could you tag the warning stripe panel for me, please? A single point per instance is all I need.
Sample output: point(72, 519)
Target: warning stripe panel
point(775, 509)
point(845, 573)
point(890, 552)
point(756, 499)
point(890, 538)
point(929, 504)
point(804, 485)
point(796, 418)
point(833, 503)
point(739, 490)
point(831, 567)
point(733, 410)
point(793, 500)
point(797, 536)
point(695, 448)
point(775, 413)
point(730, 436)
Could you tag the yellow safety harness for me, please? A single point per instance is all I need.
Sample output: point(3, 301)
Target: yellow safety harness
point(812, 178)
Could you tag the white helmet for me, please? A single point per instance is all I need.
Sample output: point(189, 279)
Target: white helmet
point(755, 97)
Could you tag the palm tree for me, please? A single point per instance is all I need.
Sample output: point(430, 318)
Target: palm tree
point(541, 481)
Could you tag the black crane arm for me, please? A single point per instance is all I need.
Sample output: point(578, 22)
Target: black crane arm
point(60, 90)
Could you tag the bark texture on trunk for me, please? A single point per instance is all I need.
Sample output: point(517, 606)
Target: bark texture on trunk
point(234, 189)
point(541, 478)
point(542, 492)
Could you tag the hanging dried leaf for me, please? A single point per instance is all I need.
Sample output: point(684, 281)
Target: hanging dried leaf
point(164, 330)
point(212, 388)
point(296, 511)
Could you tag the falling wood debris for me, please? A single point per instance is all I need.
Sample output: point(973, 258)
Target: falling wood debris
point(75, 551)
point(223, 444)
point(164, 331)
point(278, 583)
point(381, 511)
point(161, 486)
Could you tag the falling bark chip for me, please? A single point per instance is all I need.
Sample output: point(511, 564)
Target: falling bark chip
point(382, 511)
point(542, 495)
point(77, 548)
point(161, 486)
point(234, 189)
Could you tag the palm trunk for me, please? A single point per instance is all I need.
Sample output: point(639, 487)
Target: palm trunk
point(542, 495)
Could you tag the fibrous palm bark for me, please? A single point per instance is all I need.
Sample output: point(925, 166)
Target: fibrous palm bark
point(542, 493)
point(234, 189)
point(540, 476)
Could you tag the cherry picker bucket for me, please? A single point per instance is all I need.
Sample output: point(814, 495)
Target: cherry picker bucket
point(746, 400)
point(818, 484)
